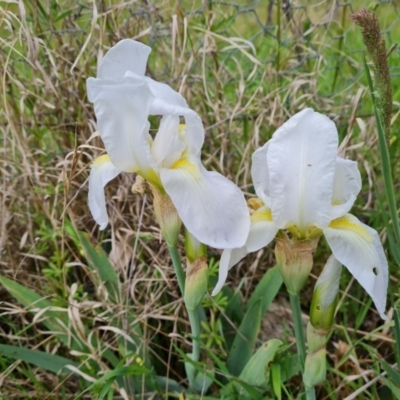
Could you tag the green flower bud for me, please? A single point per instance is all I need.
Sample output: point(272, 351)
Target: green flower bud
point(196, 273)
point(167, 216)
point(295, 260)
point(324, 299)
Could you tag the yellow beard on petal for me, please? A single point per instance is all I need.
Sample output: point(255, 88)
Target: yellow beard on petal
point(104, 159)
point(263, 214)
point(185, 164)
point(345, 223)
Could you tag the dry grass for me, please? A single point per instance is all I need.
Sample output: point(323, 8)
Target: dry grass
point(245, 74)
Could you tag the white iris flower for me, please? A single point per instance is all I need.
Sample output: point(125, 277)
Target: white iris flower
point(307, 190)
point(212, 208)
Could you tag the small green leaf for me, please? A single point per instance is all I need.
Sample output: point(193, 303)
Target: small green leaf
point(245, 338)
point(49, 362)
point(256, 371)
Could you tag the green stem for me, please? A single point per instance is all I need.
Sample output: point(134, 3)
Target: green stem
point(310, 393)
point(195, 327)
point(193, 314)
point(298, 328)
point(300, 340)
point(176, 261)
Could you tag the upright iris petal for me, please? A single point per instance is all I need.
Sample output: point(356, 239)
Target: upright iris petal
point(212, 208)
point(308, 190)
point(301, 164)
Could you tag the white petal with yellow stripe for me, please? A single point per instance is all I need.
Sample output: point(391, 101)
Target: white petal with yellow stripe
point(358, 248)
point(262, 232)
point(212, 208)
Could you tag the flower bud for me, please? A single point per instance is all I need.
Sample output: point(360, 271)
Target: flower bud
point(322, 313)
point(295, 260)
point(196, 272)
point(324, 299)
point(167, 216)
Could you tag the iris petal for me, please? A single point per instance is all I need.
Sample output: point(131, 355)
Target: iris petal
point(260, 174)
point(212, 208)
point(126, 55)
point(346, 186)
point(122, 110)
point(229, 258)
point(358, 248)
point(102, 172)
point(301, 164)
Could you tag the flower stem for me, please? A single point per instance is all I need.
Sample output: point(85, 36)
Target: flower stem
point(176, 261)
point(193, 314)
point(298, 328)
point(310, 393)
point(300, 341)
point(195, 327)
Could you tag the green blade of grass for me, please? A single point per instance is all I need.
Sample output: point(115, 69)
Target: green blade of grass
point(98, 262)
point(49, 362)
point(32, 300)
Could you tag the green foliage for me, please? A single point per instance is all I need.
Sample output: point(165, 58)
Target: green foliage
point(243, 344)
point(266, 290)
point(49, 362)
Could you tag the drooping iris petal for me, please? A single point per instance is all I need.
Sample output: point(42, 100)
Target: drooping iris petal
point(102, 171)
point(301, 165)
point(167, 147)
point(212, 208)
point(260, 174)
point(122, 110)
point(262, 230)
point(346, 186)
point(229, 258)
point(357, 247)
point(126, 55)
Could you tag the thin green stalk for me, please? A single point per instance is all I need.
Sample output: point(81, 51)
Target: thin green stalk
point(300, 340)
point(385, 160)
point(310, 393)
point(176, 261)
point(195, 327)
point(298, 329)
point(193, 314)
